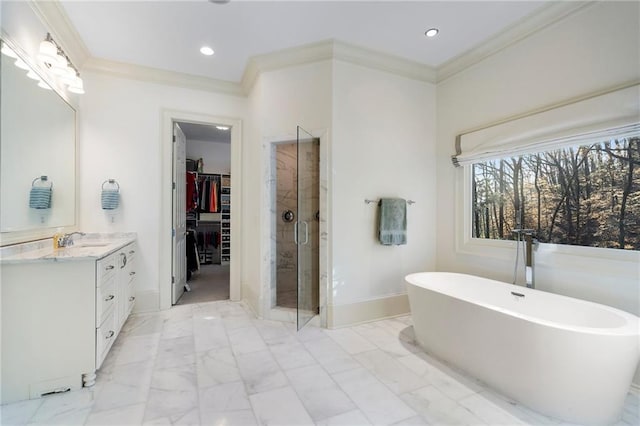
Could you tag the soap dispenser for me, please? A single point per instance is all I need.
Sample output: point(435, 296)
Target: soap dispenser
point(56, 238)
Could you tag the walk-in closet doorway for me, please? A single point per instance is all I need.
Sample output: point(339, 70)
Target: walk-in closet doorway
point(202, 209)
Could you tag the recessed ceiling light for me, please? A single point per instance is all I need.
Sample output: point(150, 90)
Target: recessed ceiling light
point(432, 32)
point(206, 50)
point(222, 127)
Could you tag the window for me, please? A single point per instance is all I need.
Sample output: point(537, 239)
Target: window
point(585, 195)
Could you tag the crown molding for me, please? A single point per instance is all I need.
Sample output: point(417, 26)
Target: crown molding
point(158, 76)
point(520, 30)
point(55, 19)
point(383, 62)
point(333, 49)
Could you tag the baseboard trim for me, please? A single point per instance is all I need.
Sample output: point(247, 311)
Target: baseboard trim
point(147, 301)
point(368, 310)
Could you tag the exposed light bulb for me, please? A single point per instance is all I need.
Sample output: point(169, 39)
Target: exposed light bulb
point(44, 85)
point(33, 75)
point(48, 53)
point(77, 86)
point(6, 50)
point(22, 64)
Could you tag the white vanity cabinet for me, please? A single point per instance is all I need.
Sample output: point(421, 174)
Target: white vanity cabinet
point(60, 316)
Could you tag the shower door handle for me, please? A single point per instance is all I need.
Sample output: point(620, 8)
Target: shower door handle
point(306, 233)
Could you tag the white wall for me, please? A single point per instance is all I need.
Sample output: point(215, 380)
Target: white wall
point(120, 138)
point(383, 145)
point(215, 155)
point(595, 49)
point(280, 101)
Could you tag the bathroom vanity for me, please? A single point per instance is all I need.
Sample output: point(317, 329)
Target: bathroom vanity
point(62, 309)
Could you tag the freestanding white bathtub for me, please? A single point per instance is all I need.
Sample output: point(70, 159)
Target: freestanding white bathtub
point(567, 358)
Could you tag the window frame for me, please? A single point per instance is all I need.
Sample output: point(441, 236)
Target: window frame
point(467, 244)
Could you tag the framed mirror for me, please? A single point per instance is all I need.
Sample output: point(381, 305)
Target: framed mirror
point(37, 138)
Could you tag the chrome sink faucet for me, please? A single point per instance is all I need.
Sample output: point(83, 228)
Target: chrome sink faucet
point(66, 240)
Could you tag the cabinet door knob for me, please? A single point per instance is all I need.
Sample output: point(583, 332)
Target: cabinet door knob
point(110, 334)
point(132, 273)
point(108, 267)
point(132, 298)
point(109, 297)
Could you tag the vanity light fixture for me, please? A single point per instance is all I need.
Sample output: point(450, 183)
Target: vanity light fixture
point(432, 32)
point(44, 85)
point(6, 50)
point(206, 50)
point(58, 63)
point(33, 75)
point(222, 127)
point(22, 64)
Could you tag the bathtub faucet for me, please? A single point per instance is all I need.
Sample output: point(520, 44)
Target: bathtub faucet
point(530, 241)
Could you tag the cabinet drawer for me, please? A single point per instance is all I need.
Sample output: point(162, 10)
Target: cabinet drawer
point(105, 268)
point(131, 296)
point(106, 299)
point(105, 336)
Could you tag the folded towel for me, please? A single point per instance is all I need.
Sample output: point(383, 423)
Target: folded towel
point(40, 197)
point(392, 225)
point(110, 199)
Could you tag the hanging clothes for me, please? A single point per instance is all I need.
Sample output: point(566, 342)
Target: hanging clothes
point(213, 202)
point(192, 192)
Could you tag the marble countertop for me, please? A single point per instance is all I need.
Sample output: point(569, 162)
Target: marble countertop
point(85, 247)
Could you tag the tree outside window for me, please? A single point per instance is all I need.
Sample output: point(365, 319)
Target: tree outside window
point(584, 195)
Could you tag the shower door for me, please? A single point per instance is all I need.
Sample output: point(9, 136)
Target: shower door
point(307, 226)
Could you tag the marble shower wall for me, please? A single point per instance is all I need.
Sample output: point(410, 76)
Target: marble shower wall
point(286, 199)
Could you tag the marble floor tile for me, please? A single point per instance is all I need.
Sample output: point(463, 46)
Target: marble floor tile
point(71, 408)
point(350, 341)
point(175, 352)
point(291, 353)
point(351, 418)
point(138, 348)
point(177, 328)
point(245, 340)
point(185, 418)
point(216, 366)
point(125, 385)
point(452, 383)
point(19, 413)
point(320, 395)
point(260, 372)
point(437, 408)
point(279, 407)
point(389, 371)
point(272, 331)
point(173, 390)
point(330, 355)
point(489, 412)
point(209, 335)
point(413, 421)
point(129, 415)
point(376, 401)
point(223, 398)
point(230, 418)
point(140, 325)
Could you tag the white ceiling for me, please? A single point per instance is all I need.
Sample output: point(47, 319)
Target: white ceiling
point(205, 133)
point(168, 34)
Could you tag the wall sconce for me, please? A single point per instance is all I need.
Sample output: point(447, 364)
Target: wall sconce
point(58, 63)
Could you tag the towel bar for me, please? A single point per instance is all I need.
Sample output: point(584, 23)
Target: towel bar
point(367, 201)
